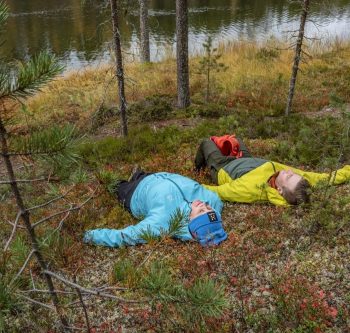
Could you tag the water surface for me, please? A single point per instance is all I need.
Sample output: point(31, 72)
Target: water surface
point(80, 33)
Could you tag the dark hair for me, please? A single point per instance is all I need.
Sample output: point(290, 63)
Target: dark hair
point(300, 193)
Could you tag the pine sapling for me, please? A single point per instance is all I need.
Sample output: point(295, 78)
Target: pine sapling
point(209, 63)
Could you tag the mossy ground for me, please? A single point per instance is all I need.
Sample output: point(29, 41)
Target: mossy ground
point(282, 269)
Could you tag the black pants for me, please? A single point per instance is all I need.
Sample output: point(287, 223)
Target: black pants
point(208, 154)
point(125, 189)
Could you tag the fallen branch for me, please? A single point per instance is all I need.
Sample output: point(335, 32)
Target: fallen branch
point(60, 224)
point(61, 212)
point(13, 231)
point(9, 182)
point(23, 267)
point(37, 302)
point(83, 306)
point(49, 202)
point(13, 224)
point(95, 292)
point(47, 291)
point(150, 254)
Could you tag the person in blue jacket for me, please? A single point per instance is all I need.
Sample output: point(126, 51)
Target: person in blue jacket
point(155, 198)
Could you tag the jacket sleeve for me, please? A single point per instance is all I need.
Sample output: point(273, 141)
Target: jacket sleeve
point(130, 235)
point(235, 191)
point(336, 177)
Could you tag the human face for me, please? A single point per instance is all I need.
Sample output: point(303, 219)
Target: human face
point(287, 179)
point(198, 208)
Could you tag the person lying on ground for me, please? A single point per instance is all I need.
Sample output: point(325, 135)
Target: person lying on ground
point(244, 178)
point(156, 197)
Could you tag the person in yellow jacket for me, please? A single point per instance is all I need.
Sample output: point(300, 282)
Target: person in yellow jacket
point(248, 179)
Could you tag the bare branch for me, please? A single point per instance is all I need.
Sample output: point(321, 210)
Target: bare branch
point(150, 254)
point(18, 226)
point(59, 227)
point(62, 212)
point(312, 38)
point(13, 231)
point(37, 302)
point(54, 215)
point(23, 266)
point(8, 182)
point(37, 153)
point(95, 292)
point(49, 202)
point(31, 278)
point(83, 306)
point(47, 291)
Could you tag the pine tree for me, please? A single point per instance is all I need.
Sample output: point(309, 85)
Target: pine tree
point(297, 56)
point(183, 81)
point(18, 82)
point(144, 32)
point(115, 13)
point(208, 63)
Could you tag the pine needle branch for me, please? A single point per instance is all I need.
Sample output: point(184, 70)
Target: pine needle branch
point(95, 292)
point(28, 78)
point(177, 224)
point(55, 142)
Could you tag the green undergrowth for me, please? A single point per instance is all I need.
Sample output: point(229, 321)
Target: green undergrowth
point(252, 291)
point(188, 305)
point(280, 270)
point(298, 140)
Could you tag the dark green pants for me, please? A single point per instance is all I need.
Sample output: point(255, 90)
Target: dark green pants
point(208, 154)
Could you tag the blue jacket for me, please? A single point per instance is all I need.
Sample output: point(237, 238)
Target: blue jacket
point(156, 199)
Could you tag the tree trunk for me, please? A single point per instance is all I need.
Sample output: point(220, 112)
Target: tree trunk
point(144, 33)
point(183, 90)
point(119, 66)
point(25, 216)
point(295, 68)
point(208, 83)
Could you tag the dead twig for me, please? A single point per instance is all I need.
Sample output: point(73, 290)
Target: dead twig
point(13, 224)
point(9, 182)
point(50, 201)
point(42, 291)
point(37, 302)
point(13, 231)
point(23, 267)
point(95, 292)
point(83, 306)
point(62, 212)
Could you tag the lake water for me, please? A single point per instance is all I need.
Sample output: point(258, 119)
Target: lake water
point(80, 32)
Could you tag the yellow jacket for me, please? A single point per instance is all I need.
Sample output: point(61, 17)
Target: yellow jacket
point(253, 186)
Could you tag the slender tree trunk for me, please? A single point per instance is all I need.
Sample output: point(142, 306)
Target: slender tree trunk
point(119, 66)
point(295, 68)
point(144, 37)
point(25, 216)
point(208, 85)
point(183, 89)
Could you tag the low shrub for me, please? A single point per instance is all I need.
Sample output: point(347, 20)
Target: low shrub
point(156, 107)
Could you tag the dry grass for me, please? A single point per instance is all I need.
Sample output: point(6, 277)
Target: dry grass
point(257, 78)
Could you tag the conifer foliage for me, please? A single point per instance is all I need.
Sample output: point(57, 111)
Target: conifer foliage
point(210, 63)
point(19, 81)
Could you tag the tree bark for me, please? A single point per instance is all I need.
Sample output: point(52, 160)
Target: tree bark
point(25, 216)
point(144, 32)
point(183, 90)
point(295, 68)
point(119, 65)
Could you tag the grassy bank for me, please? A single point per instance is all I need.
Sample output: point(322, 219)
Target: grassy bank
point(256, 80)
point(281, 269)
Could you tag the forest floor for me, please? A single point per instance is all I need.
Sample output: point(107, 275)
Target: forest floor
point(280, 270)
